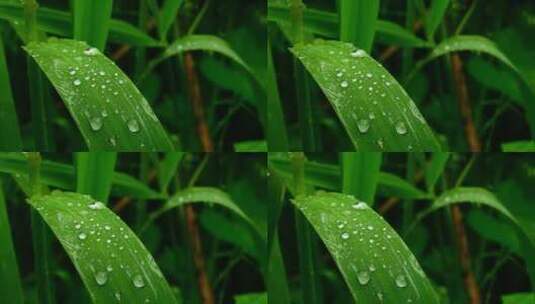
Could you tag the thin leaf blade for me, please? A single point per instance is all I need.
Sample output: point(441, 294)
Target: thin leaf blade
point(9, 141)
point(109, 110)
point(112, 262)
point(91, 21)
point(373, 274)
point(375, 110)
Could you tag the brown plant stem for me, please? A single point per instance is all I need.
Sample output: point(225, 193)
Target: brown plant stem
point(464, 256)
point(194, 90)
point(464, 103)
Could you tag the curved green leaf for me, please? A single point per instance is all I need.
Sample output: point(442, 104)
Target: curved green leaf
point(376, 111)
point(109, 110)
point(204, 43)
point(469, 43)
point(435, 17)
point(60, 23)
point(374, 261)
point(9, 141)
point(112, 262)
point(91, 21)
point(202, 195)
point(168, 16)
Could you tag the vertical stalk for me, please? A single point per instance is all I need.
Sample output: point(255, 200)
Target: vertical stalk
point(305, 238)
point(40, 236)
point(296, 14)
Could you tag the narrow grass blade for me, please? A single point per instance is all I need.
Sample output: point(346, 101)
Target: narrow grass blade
point(112, 262)
point(39, 99)
point(328, 177)
point(435, 17)
point(60, 23)
point(519, 298)
point(477, 44)
point(63, 176)
point(519, 146)
point(11, 287)
point(91, 21)
point(94, 173)
point(252, 298)
point(434, 170)
point(202, 195)
point(360, 174)
point(207, 43)
point(109, 110)
point(326, 24)
point(251, 146)
point(168, 168)
point(374, 261)
point(357, 22)
point(10, 139)
point(375, 110)
point(42, 250)
point(167, 16)
point(277, 135)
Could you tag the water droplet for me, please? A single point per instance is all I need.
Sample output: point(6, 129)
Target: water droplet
point(109, 268)
point(401, 282)
point(371, 115)
point(82, 236)
point(369, 75)
point(96, 123)
point(91, 51)
point(96, 205)
point(358, 53)
point(138, 281)
point(101, 278)
point(72, 72)
point(345, 235)
point(363, 277)
point(118, 296)
point(401, 128)
point(107, 227)
point(344, 84)
point(359, 206)
point(77, 82)
point(363, 125)
point(133, 126)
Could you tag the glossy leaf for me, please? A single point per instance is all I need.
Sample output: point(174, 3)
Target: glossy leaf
point(94, 173)
point(109, 110)
point(375, 110)
point(91, 21)
point(519, 146)
point(357, 22)
point(374, 261)
point(360, 174)
point(112, 262)
point(252, 298)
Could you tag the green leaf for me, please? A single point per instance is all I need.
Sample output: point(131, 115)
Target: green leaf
point(109, 110)
point(168, 168)
point(360, 174)
point(434, 170)
point(435, 17)
point(60, 23)
point(519, 146)
point(251, 146)
point(9, 141)
point(357, 22)
point(252, 298)
point(63, 176)
point(374, 261)
point(375, 110)
point(94, 173)
point(472, 43)
point(112, 262)
point(326, 24)
point(167, 16)
point(91, 21)
point(519, 298)
point(204, 43)
point(201, 195)
point(11, 287)
point(277, 134)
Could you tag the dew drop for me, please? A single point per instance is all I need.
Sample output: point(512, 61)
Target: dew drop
point(96, 123)
point(363, 277)
point(77, 82)
point(401, 128)
point(359, 206)
point(363, 125)
point(345, 235)
point(91, 51)
point(401, 282)
point(96, 205)
point(133, 126)
point(358, 54)
point(138, 281)
point(109, 268)
point(118, 296)
point(82, 236)
point(101, 278)
point(344, 84)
